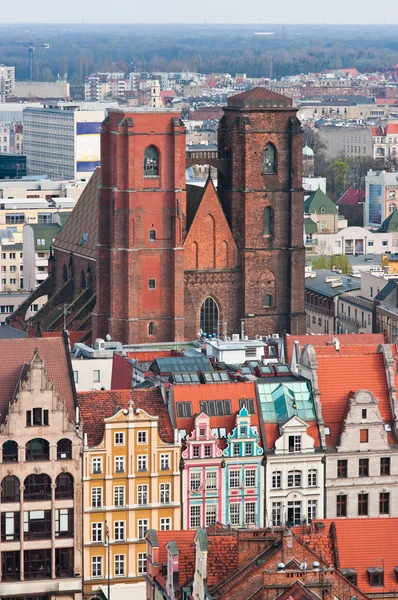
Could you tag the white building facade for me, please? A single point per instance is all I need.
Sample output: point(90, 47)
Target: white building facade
point(294, 479)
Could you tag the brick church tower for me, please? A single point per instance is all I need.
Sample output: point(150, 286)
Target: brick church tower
point(140, 263)
point(172, 262)
point(264, 203)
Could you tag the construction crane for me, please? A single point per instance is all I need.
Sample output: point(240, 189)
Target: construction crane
point(31, 46)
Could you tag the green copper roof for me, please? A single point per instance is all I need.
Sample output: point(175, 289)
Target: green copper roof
point(319, 201)
point(281, 401)
point(310, 226)
point(391, 223)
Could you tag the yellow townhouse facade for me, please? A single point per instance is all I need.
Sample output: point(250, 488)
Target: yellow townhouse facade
point(131, 481)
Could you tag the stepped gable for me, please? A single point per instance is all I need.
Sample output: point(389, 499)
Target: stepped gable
point(83, 220)
point(97, 405)
point(351, 369)
point(15, 354)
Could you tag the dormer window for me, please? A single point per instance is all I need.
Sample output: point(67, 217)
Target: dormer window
point(376, 576)
point(202, 432)
point(243, 430)
point(351, 575)
point(294, 443)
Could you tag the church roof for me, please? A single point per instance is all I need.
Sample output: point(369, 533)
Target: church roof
point(317, 201)
point(259, 97)
point(391, 223)
point(82, 222)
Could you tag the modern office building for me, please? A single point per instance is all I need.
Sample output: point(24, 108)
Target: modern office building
point(62, 140)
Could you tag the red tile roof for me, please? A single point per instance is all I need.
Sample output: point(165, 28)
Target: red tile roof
point(364, 543)
point(350, 370)
point(15, 352)
point(97, 405)
point(223, 554)
point(186, 547)
point(347, 339)
point(214, 391)
point(297, 591)
point(259, 93)
point(351, 197)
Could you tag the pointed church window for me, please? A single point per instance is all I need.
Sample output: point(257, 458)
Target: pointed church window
point(269, 159)
point(151, 328)
point(267, 223)
point(209, 317)
point(151, 162)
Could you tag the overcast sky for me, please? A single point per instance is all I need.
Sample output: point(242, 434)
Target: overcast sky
point(191, 11)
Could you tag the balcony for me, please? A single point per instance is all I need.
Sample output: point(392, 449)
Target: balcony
point(353, 324)
point(322, 310)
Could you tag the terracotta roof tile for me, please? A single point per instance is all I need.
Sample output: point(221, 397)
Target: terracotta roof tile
point(364, 543)
point(347, 339)
point(186, 547)
point(15, 352)
point(197, 393)
point(342, 373)
point(97, 405)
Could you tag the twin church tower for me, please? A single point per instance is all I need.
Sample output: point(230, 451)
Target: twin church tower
point(174, 260)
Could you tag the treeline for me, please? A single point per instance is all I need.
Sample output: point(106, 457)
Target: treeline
point(80, 50)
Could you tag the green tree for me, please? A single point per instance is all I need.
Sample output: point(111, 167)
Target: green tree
point(338, 261)
point(339, 169)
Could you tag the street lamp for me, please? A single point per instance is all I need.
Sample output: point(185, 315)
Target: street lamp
point(107, 545)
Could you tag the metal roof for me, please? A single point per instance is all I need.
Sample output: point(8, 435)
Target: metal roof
point(181, 364)
point(321, 286)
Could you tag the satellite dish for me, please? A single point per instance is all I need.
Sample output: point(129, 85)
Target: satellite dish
point(108, 337)
point(303, 566)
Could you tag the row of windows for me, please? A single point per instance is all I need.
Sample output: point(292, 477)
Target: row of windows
point(36, 564)
point(36, 487)
point(363, 467)
point(119, 497)
point(120, 462)
point(363, 504)
point(119, 565)
point(294, 514)
point(37, 524)
point(38, 448)
point(234, 518)
point(237, 479)
point(294, 479)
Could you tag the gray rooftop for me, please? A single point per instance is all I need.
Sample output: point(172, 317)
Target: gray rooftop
point(341, 284)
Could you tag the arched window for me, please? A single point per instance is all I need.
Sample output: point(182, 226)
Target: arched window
point(209, 317)
point(64, 486)
point(64, 449)
point(276, 480)
point(10, 491)
point(65, 273)
point(151, 328)
point(151, 162)
point(294, 479)
point(323, 209)
point(83, 284)
point(10, 451)
point(269, 159)
point(267, 221)
point(37, 487)
point(391, 208)
point(38, 449)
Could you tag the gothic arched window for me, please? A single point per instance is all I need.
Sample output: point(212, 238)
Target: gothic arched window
point(65, 276)
point(209, 316)
point(269, 159)
point(151, 328)
point(83, 283)
point(151, 162)
point(267, 221)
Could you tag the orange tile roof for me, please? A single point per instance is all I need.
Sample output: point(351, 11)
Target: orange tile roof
point(363, 543)
point(97, 405)
point(346, 339)
point(214, 391)
point(186, 547)
point(345, 372)
point(15, 352)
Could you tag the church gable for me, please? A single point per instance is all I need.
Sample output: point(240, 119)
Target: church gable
point(209, 243)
